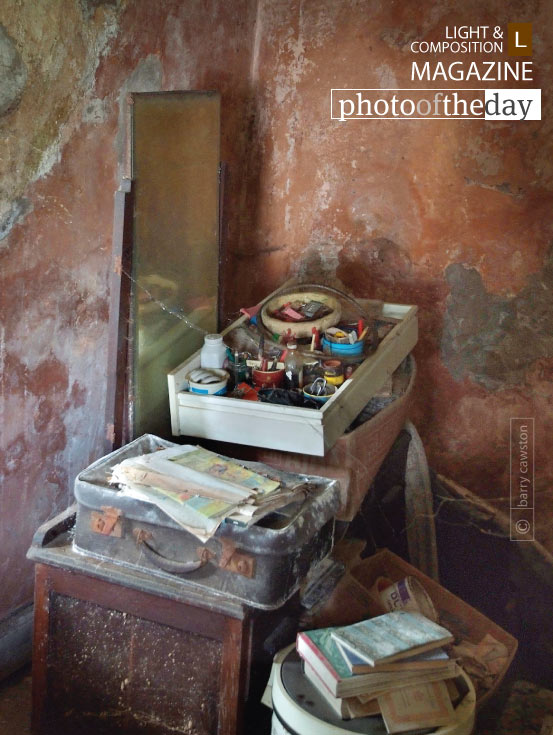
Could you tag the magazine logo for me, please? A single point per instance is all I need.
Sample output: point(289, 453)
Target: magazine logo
point(443, 103)
point(519, 39)
point(435, 104)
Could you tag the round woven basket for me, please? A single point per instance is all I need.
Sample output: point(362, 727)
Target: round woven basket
point(301, 329)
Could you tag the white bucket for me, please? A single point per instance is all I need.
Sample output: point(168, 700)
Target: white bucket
point(290, 718)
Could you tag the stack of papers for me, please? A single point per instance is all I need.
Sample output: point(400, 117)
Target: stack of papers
point(199, 489)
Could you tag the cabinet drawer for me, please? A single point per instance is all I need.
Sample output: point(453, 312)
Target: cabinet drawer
point(289, 428)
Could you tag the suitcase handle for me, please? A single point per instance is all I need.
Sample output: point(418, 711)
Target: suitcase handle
point(168, 565)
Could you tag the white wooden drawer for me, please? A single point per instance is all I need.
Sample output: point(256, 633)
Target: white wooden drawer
point(305, 430)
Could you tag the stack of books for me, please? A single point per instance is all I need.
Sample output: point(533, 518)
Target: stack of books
point(393, 665)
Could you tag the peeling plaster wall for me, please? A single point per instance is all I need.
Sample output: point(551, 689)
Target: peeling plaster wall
point(62, 156)
point(452, 216)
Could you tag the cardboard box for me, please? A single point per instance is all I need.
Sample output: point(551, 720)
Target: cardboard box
point(455, 614)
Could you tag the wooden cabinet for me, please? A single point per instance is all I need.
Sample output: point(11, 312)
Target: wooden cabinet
point(120, 652)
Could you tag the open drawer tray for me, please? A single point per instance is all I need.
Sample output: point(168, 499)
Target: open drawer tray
point(289, 428)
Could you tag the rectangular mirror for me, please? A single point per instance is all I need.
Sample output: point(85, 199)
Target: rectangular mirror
point(175, 168)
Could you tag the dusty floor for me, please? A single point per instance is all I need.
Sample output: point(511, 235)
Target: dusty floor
point(508, 717)
point(15, 704)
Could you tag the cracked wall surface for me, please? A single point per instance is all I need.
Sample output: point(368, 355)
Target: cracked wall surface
point(452, 216)
point(63, 151)
point(495, 340)
point(13, 73)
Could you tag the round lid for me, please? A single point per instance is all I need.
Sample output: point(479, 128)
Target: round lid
point(213, 338)
point(305, 711)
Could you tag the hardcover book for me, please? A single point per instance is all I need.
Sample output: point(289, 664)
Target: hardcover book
point(347, 708)
point(319, 649)
point(392, 636)
point(434, 660)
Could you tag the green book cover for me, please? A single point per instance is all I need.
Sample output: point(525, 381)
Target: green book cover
point(392, 636)
point(323, 640)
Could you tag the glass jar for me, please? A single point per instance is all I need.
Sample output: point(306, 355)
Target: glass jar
point(293, 368)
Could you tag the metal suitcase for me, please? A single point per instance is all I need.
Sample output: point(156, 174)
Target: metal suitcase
point(261, 565)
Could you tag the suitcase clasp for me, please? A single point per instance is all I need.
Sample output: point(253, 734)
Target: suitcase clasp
point(108, 522)
point(235, 561)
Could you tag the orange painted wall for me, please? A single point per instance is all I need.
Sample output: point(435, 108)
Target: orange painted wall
point(454, 216)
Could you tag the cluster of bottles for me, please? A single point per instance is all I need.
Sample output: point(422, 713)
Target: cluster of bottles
point(214, 355)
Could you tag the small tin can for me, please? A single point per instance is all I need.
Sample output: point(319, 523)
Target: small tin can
point(408, 594)
point(333, 372)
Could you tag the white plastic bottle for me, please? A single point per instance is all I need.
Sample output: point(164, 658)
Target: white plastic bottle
point(214, 352)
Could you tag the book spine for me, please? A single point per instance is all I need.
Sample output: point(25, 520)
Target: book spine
point(322, 682)
point(310, 653)
point(336, 703)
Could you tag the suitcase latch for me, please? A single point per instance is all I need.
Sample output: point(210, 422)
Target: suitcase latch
point(108, 522)
point(236, 561)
